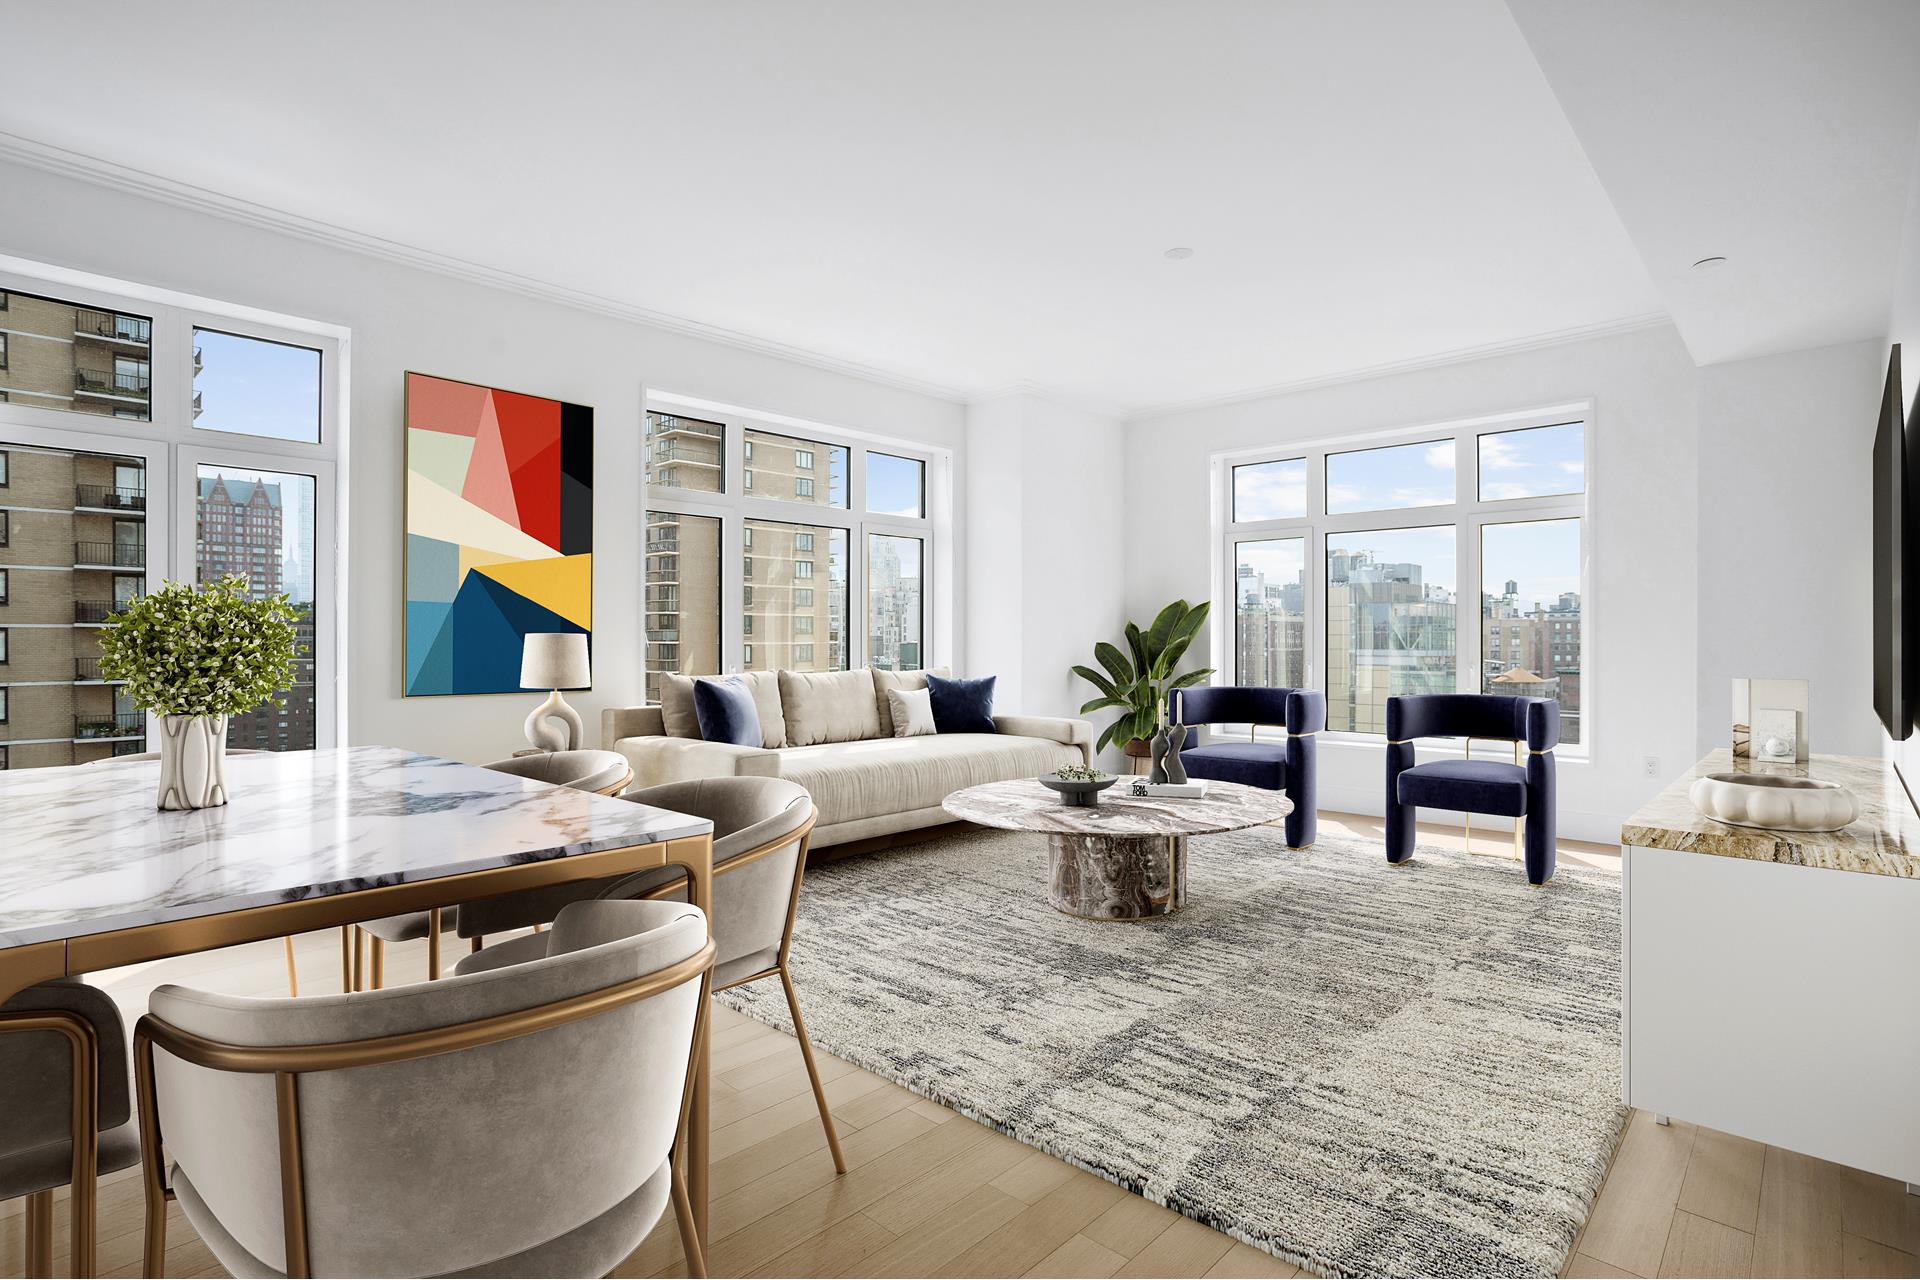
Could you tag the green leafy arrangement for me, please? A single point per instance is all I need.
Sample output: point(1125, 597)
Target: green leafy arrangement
point(210, 652)
point(1139, 681)
point(1078, 773)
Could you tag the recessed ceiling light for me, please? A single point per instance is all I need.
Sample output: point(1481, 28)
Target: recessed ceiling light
point(1178, 253)
point(1708, 264)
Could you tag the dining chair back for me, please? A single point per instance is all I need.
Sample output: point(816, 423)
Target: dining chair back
point(516, 1121)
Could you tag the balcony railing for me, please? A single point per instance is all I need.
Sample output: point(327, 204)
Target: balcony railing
point(89, 669)
point(97, 610)
point(196, 403)
point(88, 323)
point(112, 555)
point(668, 425)
point(655, 545)
point(696, 455)
point(111, 382)
point(109, 497)
point(126, 724)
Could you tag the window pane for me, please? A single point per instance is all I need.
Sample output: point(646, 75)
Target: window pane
point(1270, 615)
point(683, 597)
point(1390, 621)
point(76, 544)
point(772, 598)
point(894, 602)
point(896, 486)
point(62, 355)
point(1403, 475)
point(1535, 463)
point(253, 387)
point(793, 470)
point(1530, 614)
point(260, 525)
point(1270, 490)
point(685, 453)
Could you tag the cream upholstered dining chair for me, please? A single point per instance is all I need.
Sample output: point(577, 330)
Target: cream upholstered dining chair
point(520, 1121)
point(603, 772)
point(761, 829)
point(65, 1114)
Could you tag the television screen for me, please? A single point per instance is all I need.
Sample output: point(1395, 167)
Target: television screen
point(1893, 530)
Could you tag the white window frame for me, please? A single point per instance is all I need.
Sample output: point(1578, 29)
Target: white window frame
point(171, 447)
point(736, 503)
point(1468, 515)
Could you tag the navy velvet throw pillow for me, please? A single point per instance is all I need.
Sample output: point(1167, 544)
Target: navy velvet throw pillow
point(962, 706)
point(725, 711)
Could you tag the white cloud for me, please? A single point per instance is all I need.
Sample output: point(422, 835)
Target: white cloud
point(1440, 456)
point(1497, 454)
point(1577, 467)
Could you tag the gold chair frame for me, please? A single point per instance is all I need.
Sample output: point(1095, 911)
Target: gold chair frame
point(83, 1042)
point(287, 1063)
point(357, 968)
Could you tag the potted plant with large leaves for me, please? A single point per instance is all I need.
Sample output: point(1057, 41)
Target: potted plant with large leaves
point(194, 658)
point(1139, 680)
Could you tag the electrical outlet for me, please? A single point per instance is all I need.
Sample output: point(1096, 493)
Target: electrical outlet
point(1653, 766)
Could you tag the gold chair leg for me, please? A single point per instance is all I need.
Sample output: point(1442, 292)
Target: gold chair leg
point(813, 1072)
point(477, 942)
point(293, 974)
point(683, 1215)
point(379, 963)
point(346, 957)
point(40, 1233)
point(433, 945)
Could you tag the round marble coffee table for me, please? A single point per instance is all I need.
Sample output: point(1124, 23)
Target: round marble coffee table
point(1123, 858)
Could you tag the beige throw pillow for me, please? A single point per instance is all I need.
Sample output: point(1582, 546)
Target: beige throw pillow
point(676, 706)
point(911, 712)
point(886, 681)
point(828, 706)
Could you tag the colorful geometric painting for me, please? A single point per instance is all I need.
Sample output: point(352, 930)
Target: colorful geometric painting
point(499, 531)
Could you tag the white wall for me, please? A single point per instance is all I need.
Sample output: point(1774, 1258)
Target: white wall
point(1641, 671)
point(1043, 564)
point(1786, 536)
point(1903, 327)
point(404, 318)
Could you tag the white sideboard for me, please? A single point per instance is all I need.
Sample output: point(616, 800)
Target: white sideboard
point(1771, 980)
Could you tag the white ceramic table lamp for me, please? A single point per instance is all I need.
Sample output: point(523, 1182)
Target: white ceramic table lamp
point(555, 660)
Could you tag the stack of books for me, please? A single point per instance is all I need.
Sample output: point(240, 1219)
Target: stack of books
point(1167, 790)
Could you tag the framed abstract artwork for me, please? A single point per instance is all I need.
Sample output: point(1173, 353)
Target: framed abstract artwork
point(499, 539)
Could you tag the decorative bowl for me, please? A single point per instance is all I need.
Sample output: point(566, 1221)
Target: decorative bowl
point(1774, 801)
point(1076, 793)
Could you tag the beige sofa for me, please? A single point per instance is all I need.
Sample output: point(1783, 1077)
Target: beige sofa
point(832, 733)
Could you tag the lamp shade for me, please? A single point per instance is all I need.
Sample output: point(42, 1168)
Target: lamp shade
point(555, 660)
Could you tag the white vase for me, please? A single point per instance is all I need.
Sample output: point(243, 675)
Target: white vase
point(193, 762)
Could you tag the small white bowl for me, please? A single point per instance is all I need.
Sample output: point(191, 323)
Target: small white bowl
point(1773, 801)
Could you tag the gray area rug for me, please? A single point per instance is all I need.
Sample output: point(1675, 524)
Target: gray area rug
point(1360, 1069)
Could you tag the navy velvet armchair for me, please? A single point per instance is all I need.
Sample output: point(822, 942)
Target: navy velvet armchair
point(1291, 765)
point(1523, 792)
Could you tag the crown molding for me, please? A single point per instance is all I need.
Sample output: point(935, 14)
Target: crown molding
point(1461, 355)
point(106, 173)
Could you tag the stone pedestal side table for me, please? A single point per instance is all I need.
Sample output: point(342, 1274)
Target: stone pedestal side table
point(1123, 858)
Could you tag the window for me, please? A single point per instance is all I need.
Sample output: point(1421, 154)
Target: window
point(3, 705)
point(896, 486)
point(778, 618)
point(254, 387)
point(1530, 576)
point(893, 602)
point(1392, 478)
point(6, 527)
point(3, 351)
point(683, 596)
point(1536, 462)
point(3, 644)
point(4, 461)
point(1356, 589)
point(140, 491)
point(774, 456)
point(698, 446)
point(277, 559)
point(853, 536)
point(3, 586)
point(1270, 490)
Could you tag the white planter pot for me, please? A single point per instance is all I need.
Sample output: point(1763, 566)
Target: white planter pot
point(193, 762)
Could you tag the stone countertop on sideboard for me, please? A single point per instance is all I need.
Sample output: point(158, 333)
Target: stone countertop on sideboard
point(1884, 840)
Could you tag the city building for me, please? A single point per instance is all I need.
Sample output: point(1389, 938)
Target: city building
point(1388, 633)
point(73, 547)
point(54, 355)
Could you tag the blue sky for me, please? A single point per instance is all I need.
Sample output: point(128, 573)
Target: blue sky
point(895, 486)
point(257, 388)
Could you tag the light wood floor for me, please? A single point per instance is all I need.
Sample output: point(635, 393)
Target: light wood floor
point(930, 1193)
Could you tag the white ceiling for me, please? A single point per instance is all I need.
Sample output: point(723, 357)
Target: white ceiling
point(976, 196)
point(1776, 133)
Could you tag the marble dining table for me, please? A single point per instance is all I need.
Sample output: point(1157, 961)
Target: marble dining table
point(94, 876)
